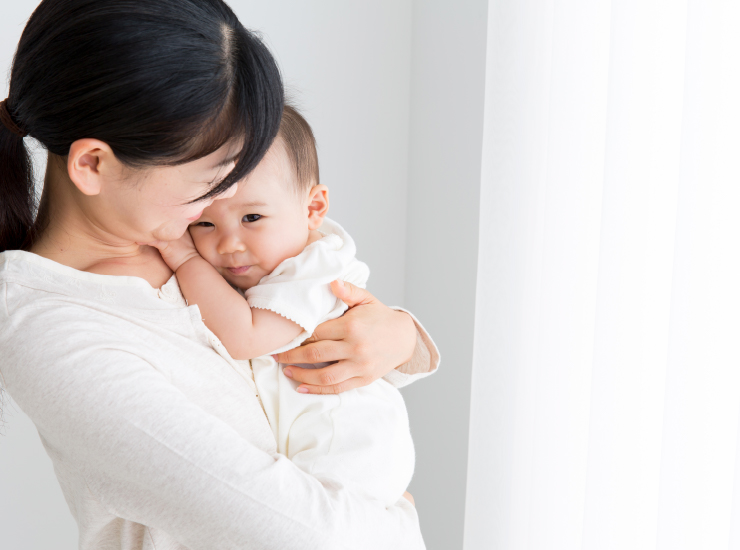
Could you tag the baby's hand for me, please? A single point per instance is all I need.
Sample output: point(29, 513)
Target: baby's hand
point(176, 253)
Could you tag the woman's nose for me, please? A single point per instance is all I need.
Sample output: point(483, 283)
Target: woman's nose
point(229, 244)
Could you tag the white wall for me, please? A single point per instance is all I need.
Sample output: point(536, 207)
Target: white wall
point(448, 63)
point(368, 93)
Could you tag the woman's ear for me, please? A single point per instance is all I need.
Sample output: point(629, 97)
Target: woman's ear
point(318, 205)
point(90, 161)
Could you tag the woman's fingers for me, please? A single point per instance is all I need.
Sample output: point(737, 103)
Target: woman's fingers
point(347, 325)
point(351, 295)
point(336, 329)
point(350, 384)
point(323, 351)
point(366, 343)
point(332, 375)
point(329, 330)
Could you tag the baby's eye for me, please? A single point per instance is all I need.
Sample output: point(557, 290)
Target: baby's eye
point(251, 218)
point(201, 224)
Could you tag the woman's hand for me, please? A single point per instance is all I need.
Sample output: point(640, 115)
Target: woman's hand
point(368, 342)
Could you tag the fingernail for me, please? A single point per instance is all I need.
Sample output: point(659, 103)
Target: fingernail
point(275, 357)
point(302, 390)
point(287, 373)
point(340, 283)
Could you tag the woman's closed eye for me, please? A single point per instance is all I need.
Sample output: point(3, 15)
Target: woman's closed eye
point(249, 218)
point(202, 224)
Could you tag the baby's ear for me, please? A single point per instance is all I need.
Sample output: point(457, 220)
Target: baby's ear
point(318, 205)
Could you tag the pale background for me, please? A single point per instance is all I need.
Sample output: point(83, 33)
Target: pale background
point(394, 91)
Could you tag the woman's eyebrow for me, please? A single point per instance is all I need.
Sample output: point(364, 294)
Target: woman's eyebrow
point(226, 162)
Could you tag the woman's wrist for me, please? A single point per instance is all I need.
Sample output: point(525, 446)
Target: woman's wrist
point(424, 361)
point(407, 331)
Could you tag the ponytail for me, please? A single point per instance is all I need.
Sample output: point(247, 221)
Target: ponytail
point(17, 194)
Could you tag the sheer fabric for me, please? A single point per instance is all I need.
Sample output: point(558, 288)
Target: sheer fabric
point(606, 380)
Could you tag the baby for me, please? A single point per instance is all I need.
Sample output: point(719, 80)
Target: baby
point(273, 242)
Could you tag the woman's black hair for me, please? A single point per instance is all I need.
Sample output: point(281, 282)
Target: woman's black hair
point(162, 82)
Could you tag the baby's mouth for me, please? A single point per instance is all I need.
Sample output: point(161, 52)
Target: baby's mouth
point(239, 270)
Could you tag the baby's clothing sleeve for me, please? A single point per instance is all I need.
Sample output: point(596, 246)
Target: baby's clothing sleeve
point(299, 288)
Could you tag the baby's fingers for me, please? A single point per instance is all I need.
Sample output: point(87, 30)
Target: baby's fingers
point(155, 244)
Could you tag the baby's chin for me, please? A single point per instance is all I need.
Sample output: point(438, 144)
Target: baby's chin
point(240, 282)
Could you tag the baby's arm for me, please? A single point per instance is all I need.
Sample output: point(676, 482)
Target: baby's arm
point(246, 333)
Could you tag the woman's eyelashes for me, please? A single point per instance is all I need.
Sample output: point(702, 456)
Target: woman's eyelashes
point(249, 218)
point(202, 224)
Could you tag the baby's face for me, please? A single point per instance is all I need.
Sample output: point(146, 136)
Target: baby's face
point(265, 222)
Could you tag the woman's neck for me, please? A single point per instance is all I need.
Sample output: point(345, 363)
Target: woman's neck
point(67, 236)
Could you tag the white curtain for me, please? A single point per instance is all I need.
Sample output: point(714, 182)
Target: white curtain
point(606, 382)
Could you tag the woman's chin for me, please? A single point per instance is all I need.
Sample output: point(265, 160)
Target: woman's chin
point(170, 232)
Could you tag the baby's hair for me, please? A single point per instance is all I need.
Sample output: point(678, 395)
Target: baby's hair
point(300, 145)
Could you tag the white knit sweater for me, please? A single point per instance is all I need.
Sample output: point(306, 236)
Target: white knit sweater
point(156, 434)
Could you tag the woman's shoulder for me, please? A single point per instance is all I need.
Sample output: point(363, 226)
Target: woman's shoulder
point(30, 268)
point(48, 308)
point(34, 281)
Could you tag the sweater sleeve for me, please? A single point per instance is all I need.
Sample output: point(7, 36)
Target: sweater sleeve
point(423, 362)
point(152, 456)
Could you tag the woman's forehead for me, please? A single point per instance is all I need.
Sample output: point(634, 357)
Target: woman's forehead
point(223, 156)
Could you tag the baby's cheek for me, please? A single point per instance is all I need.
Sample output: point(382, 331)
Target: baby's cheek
point(276, 255)
point(274, 243)
point(204, 247)
point(269, 264)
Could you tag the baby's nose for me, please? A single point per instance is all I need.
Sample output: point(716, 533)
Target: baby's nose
point(230, 244)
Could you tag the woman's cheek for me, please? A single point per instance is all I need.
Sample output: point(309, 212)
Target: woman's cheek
point(193, 211)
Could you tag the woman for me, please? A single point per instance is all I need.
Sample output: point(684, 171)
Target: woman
point(150, 111)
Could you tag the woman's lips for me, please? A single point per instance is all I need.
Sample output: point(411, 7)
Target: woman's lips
point(239, 270)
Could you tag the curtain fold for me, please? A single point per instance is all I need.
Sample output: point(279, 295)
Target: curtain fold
point(606, 378)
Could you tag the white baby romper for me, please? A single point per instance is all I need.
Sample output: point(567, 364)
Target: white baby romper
point(360, 437)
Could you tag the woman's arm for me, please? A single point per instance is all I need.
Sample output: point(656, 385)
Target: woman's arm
point(245, 332)
point(369, 342)
point(150, 455)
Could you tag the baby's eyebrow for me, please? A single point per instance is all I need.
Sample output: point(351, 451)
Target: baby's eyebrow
point(251, 203)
